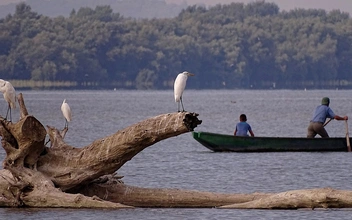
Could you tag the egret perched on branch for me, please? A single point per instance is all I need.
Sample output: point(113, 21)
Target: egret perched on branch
point(179, 87)
point(9, 95)
point(66, 111)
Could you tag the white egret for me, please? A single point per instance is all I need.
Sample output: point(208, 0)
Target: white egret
point(179, 87)
point(66, 111)
point(9, 95)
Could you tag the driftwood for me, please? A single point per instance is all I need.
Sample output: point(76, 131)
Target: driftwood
point(300, 199)
point(60, 175)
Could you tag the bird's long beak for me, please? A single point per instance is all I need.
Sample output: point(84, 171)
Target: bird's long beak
point(190, 74)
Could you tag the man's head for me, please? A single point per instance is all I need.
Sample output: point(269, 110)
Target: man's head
point(325, 101)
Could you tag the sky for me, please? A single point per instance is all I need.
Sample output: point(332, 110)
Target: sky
point(343, 5)
point(328, 5)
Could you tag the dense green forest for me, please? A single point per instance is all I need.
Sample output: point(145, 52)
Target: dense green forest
point(227, 46)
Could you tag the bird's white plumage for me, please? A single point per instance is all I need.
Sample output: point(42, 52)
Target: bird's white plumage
point(66, 111)
point(180, 85)
point(9, 93)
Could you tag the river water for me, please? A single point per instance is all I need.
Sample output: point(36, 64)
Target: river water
point(181, 162)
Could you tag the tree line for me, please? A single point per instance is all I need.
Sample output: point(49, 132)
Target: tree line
point(227, 46)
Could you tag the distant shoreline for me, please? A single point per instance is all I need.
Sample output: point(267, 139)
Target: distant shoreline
point(129, 85)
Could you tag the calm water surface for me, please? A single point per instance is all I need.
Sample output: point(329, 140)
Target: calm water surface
point(180, 162)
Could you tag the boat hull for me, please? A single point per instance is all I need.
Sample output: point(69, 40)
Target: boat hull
point(222, 143)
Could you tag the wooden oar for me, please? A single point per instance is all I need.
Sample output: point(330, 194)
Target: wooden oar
point(348, 138)
point(330, 119)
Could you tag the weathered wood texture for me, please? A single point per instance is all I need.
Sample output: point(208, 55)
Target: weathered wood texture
point(114, 190)
point(28, 188)
point(24, 140)
point(69, 167)
point(297, 199)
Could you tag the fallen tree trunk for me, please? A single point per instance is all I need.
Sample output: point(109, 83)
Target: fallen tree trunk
point(23, 187)
point(35, 175)
point(112, 189)
point(297, 199)
point(69, 167)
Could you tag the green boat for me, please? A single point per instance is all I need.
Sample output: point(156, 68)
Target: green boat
point(223, 143)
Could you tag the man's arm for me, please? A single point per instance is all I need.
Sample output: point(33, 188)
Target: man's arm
point(336, 117)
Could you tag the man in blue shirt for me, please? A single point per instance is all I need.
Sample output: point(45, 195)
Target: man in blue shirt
point(323, 111)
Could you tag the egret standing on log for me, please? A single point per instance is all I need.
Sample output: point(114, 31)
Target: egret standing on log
point(179, 87)
point(66, 111)
point(9, 95)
